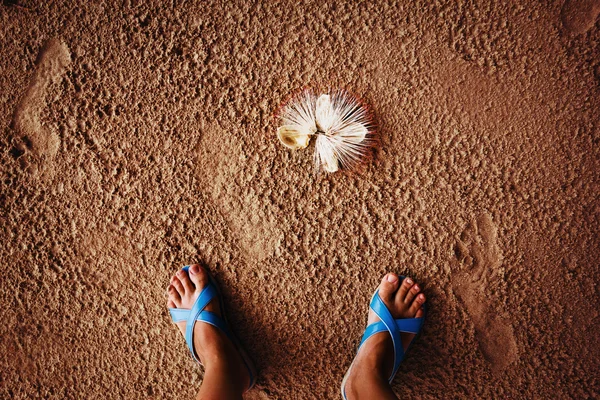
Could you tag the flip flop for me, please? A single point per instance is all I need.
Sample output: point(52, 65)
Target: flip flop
point(197, 313)
point(394, 327)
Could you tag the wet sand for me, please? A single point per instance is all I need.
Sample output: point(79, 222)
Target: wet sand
point(139, 137)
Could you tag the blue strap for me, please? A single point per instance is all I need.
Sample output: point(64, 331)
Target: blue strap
point(178, 314)
point(405, 325)
point(410, 325)
point(393, 326)
point(207, 294)
point(216, 321)
point(384, 314)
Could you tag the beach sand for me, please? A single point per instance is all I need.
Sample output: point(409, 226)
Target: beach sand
point(139, 136)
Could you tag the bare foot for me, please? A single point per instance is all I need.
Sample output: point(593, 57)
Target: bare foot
point(212, 346)
point(375, 360)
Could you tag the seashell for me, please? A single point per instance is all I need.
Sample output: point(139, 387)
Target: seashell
point(325, 154)
point(346, 139)
point(342, 126)
point(324, 113)
point(353, 132)
point(293, 136)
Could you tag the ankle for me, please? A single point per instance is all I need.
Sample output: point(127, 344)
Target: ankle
point(365, 383)
point(221, 377)
point(213, 352)
point(370, 369)
point(378, 359)
point(222, 358)
point(209, 342)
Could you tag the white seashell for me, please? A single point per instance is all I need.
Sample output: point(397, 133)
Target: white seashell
point(325, 154)
point(347, 138)
point(339, 121)
point(353, 132)
point(324, 113)
point(294, 136)
point(300, 111)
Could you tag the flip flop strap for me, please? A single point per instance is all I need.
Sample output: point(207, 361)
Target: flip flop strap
point(405, 325)
point(378, 306)
point(207, 294)
point(179, 314)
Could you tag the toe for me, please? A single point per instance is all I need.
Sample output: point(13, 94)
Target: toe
point(188, 286)
point(199, 276)
point(388, 287)
point(414, 290)
point(416, 305)
point(404, 288)
point(174, 298)
point(420, 313)
point(176, 283)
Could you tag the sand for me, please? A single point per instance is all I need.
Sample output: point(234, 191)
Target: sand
point(139, 136)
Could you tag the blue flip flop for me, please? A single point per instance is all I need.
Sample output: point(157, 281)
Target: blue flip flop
point(197, 313)
point(394, 327)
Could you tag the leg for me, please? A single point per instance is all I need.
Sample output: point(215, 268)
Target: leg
point(374, 363)
point(222, 379)
point(225, 374)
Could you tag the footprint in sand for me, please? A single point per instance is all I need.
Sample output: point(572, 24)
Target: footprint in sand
point(36, 143)
point(225, 172)
point(479, 258)
point(579, 16)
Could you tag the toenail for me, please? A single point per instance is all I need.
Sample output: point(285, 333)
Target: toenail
point(180, 272)
point(194, 269)
point(392, 278)
point(416, 287)
point(409, 281)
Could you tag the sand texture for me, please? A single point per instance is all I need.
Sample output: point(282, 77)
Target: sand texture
point(139, 136)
